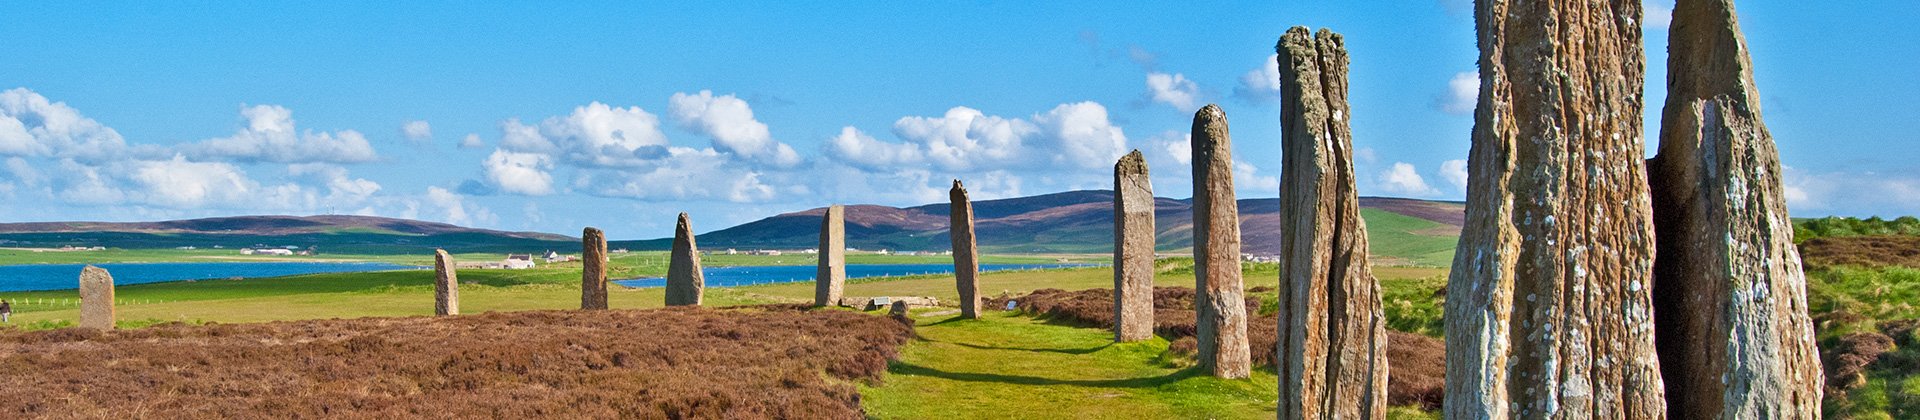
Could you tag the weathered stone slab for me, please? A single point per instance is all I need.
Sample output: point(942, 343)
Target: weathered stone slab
point(1548, 307)
point(831, 279)
point(96, 298)
point(685, 282)
point(899, 308)
point(593, 269)
point(446, 285)
point(1221, 323)
point(966, 257)
point(1332, 338)
point(1133, 240)
point(1735, 340)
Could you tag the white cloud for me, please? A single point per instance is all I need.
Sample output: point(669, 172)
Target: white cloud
point(1081, 135)
point(685, 174)
point(1365, 156)
point(1173, 89)
point(1261, 84)
point(31, 125)
point(1658, 15)
point(1247, 179)
point(863, 151)
point(1404, 180)
point(342, 189)
point(519, 173)
point(1174, 145)
point(1455, 172)
point(269, 136)
point(729, 122)
point(472, 141)
point(1851, 193)
point(1463, 93)
point(417, 130)
point(454, 209)
point(964, 138)
point(593, 135)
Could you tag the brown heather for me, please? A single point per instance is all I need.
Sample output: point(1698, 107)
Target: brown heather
point(753, 362)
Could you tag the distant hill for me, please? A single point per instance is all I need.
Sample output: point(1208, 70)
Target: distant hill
point(1402, 230)
point(331, 233)
point(1413, 231)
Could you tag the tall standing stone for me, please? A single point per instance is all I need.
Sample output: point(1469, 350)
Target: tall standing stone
point(593, 269)
point(96, 298)
point(685, 283)
point(446, 285)
point(966, 257)
point(1132, 249)
point(1548, 307)
point(1219, 301)
point(1734, 337)
point(1332, 338)
point(831, 278)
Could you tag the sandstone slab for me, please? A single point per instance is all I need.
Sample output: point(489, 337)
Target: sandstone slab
point(1221, 323)
point(966, 256)
point(446, 285)
point(593, 269)
point(685, 283)
point(830, 280)
point(96, 298)
point(1133, 241)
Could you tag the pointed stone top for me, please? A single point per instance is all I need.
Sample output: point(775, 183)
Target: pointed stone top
point(1131, 164)
point(958, 187)
point(683, 224)
point(594, 231)
point(440, 253)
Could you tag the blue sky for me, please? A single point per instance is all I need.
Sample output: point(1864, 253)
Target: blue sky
point(552, 117)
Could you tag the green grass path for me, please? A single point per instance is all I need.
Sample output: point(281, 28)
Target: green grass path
point(1012, 366)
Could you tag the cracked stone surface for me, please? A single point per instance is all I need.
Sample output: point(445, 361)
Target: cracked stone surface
point(1133, 241)
point(1221, 323)
point(446, 285)
point(1734, 337)
point(966, 256)
point(1332, 338)
point(1549, 308)
point(685, 283)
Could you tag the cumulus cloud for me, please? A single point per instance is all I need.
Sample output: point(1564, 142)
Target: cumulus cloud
point(1173, 89)
point(519, 173)
point(1455, 173)
point(269, 135)
point(685, 174)
point(1175, 146)
point(1262, 84)
point(342, 189)
point(1851, 193)
point(593, 135)
point(1658, 15)
point(729, 122)
point(860, 150)
point(1403, 179)
point(472, 141)
point(417, 130)
point(31, 125)
point(1463, 93)
point(453, 208)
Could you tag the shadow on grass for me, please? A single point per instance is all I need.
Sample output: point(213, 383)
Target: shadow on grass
point(955, 318)
point(1061, 351)
point(904, 368)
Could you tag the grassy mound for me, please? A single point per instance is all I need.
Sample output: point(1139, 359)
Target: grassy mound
point(758, 362)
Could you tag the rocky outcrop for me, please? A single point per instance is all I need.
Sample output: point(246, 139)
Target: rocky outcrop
point(446, 285)
point(96, 298)
point(966, 256)
point(685, 282)
point(1735, 340)
point(1548, 308)
point(831, 279)
point(1332, 338)
point(1133, 206)
point(1221, 319)
point(593, 269)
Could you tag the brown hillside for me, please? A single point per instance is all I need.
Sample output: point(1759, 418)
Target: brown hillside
point(1869, 251)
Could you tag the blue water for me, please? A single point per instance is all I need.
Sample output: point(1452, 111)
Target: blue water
point(741, 276)
point(15, 278)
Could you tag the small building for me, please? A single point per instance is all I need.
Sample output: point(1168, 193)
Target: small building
point(266, 251)
point(518, 262)
point(554, 257)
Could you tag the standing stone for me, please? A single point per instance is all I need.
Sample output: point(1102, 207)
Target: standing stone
point(1219, 301)
point(831, 278)
point(899, 308)
point(685, 283)
point(1734, 337)
point(1132, 249)
point(1548, 308)
point(1332, 338)
point(96, 298)
point(446, 285)
point(593, 269)
point(966, 258)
